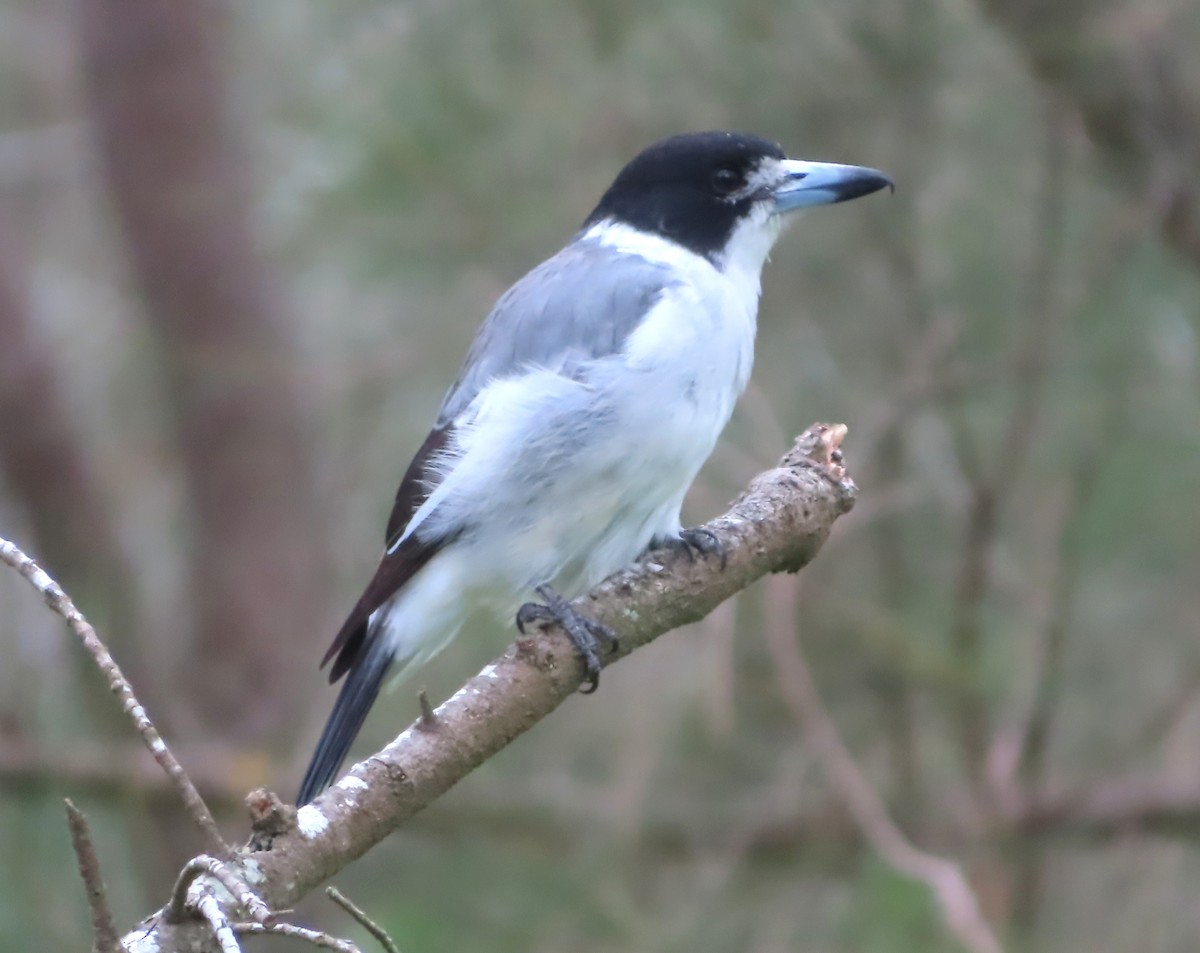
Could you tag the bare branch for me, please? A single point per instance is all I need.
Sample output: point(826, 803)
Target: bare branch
point(173, 154)
point(778, 525)
point(1134, 91)
point(43, 460)
point(960, 909)
point(209, 908)
point(114, 770)
point(1113, 808)
point(103, 927)
point(58, 600)
point(364, 921)
point(315, 937)
point(993, 485)
point(210, 866)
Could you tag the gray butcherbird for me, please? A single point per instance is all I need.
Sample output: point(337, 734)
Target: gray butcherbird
point(591, 396)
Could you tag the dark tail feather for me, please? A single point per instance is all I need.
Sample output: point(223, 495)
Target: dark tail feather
point(349, 712)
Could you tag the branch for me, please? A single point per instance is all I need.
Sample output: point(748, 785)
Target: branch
point(209, 907)
point(315, 937)
point(1129, 78)
point(103, 928)
point(361, 917)
point(778, 525)
point(960, 908)
point(210, 866)
point(44, 459)
point(173, 155)
point(115, 771)
point(1108, 809)
point(58, 600)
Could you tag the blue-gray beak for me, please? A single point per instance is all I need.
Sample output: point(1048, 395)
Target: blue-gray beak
point(822, 183)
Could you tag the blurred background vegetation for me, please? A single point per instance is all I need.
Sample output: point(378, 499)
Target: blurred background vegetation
point(242, 249)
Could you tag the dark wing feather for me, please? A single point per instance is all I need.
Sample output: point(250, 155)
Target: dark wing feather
point(396, 567)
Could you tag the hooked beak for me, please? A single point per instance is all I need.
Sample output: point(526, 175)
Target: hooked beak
point(823, 183)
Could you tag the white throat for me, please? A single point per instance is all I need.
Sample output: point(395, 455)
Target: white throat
point(740, 262)
point(750, 245)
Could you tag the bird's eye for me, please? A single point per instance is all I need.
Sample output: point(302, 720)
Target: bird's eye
point(725, 181)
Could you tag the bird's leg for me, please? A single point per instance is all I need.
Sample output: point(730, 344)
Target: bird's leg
point(691, 541)
point(585, 633)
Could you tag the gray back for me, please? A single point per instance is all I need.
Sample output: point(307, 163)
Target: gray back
point(580, 305)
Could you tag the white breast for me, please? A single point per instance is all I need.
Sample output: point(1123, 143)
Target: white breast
point(700, 335)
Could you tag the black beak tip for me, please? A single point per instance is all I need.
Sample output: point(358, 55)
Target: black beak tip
point(870, 181)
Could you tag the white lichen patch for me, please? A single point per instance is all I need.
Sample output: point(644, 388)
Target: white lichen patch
point(467, 691)
point(489, 672)
point(351, 783)
point(252, 871)
point(39, 578)
point(142, 942)
point(311, 822)
point(399, 741)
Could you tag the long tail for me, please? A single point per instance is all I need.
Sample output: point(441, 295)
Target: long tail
point(358, 693)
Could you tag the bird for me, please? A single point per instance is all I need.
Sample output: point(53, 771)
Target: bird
point(590, 397)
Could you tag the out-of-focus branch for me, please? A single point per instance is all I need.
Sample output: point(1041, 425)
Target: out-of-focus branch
point(1113, 808)
point(58, 600)
point(960, 909)
point(778, 525)
point(1133, 81)
point(221, 775)
point(42, 456)
point(175, 163)
point(993, 483)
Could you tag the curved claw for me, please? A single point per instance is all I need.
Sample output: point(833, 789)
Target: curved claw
point(694, 540)
point(585, 633)
point(704, 541)
point(532, 612)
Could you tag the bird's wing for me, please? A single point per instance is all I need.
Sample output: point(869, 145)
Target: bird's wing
point(576, 307)
point(580, 305)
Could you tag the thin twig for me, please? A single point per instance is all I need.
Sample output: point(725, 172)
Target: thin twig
point(315, 937)
point(211, 866)
point(364, 921)
point(959, 906)
point(61, 603)
point(103, 928)
point(210, 910)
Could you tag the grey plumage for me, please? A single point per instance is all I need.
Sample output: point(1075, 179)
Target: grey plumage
point(579, 305)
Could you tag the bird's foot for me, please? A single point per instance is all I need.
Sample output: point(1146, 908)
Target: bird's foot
point(586, 634)
point(695, 540)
